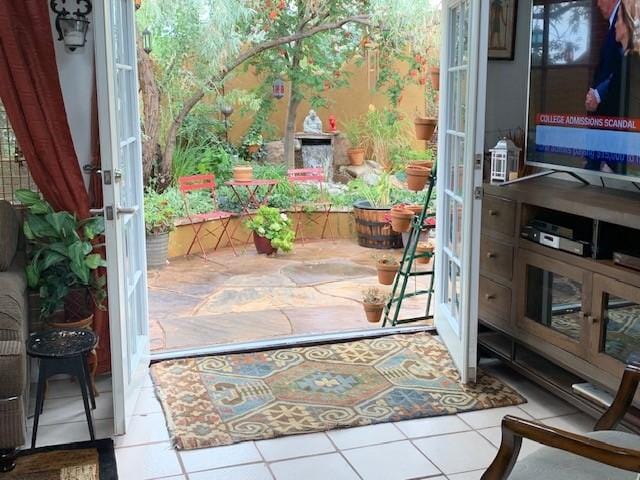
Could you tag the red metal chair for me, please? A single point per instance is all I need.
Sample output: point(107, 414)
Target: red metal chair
point(198, 221)
point(311, 176)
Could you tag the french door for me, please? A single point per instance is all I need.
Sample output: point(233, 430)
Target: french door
point(461, 142)
point(120, 147)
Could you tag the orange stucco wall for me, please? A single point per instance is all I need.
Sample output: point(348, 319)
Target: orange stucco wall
point(344, 103)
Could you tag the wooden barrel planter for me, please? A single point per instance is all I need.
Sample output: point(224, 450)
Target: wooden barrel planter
point(373, 228)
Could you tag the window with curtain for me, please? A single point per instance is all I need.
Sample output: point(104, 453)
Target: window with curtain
point(14, 173)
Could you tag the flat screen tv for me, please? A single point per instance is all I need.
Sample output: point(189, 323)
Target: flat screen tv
point(584, 91)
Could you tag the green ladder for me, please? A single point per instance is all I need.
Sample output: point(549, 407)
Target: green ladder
point(406, 271)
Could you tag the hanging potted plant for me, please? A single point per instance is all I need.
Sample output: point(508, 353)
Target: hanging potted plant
point(417, 177)
point(387, 267)
point(374, 300)
point(401, 219)
point(424, 248)
point(271, 231)
point(159, 222)
point(253, 142)
point(426, 125)
point(434, 75)
point(63, 263)
point(353, 132)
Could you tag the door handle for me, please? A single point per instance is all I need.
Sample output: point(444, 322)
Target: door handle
point(97, 212)
point(126, 210)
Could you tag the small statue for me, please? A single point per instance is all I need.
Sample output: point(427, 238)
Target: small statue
point(333, 124)
point(312, 124)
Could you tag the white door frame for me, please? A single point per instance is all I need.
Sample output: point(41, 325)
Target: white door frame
point(120, 149)
point(462, 340)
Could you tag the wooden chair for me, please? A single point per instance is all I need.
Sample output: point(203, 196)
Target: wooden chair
point(311, 176)
point(599, 455)
point(198, 221)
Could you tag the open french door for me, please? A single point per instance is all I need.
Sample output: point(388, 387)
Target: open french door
point(120, 147)
point(460, 152)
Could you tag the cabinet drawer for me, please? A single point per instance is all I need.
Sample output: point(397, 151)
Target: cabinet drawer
point(499, 215)
point(496, 258)
point(494, 301)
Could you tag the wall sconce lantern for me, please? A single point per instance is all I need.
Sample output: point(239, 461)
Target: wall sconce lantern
point(72, 27)
point(278, 89)
point(146, 41)
point(505, 161)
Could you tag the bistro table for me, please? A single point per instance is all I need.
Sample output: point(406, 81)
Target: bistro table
point(252, 201)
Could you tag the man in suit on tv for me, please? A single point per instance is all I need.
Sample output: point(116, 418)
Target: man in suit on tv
point(603, 98)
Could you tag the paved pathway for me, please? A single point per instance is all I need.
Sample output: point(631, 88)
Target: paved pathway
point(228, 299)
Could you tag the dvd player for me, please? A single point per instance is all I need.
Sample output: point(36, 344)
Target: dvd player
point(577, 247)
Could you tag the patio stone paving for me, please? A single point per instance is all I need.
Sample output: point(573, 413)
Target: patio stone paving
point(315, 289)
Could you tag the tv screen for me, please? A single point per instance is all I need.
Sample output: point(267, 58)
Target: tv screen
point(584, 94)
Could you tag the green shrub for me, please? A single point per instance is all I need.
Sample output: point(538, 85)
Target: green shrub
point(270, 223)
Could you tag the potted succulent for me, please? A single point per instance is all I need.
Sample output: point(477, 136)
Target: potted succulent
point(401, 218)
point(62, 262)
point(271, 231)
point(374, 300)
point(353, 132)
point(159, 222)
point(423, 248)
point(387, 267)
point(253, 142)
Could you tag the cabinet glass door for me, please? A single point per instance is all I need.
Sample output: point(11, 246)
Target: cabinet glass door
point(552, 305)
point(615, 323)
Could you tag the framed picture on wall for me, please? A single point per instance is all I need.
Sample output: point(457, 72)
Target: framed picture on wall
point(503, 16)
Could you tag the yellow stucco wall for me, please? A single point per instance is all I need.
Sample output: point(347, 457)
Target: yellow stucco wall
point(344, 103)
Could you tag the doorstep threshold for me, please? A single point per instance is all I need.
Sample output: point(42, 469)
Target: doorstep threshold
point(288, 342)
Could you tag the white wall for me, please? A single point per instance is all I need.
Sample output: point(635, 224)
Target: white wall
point(507, 84)
point(76, 78)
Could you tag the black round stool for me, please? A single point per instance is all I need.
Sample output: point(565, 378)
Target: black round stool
point(63, 352)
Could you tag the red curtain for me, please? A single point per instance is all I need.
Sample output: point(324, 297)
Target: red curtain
point(32, 96)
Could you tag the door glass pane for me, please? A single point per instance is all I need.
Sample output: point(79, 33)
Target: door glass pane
point(554, 301)
point(621, 335)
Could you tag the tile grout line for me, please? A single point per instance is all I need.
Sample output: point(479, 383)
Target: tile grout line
point(344, 457)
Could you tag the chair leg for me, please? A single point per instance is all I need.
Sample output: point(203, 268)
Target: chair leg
point(225, 231)
point(87, 372)
point(196, 239)
point(8, 458)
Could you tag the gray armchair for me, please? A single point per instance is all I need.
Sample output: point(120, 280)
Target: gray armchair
point(605, 454)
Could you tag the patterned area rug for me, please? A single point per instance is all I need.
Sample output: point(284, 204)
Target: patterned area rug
point(75, 461)
point(213, 401)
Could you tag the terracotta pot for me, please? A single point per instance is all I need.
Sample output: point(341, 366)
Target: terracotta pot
point(387, 273)
point(417, 178)
point(243, 173)
point(263, 245)
point(253, 149)
point(416, 209)
point(420, 249)
point(428, 165)
point(373, 311)
point(356, 156)
point(401, 219)
point(425, 128)
point(434, 73)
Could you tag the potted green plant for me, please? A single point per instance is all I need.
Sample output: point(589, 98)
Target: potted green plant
point(271, 231)
point(387, 267)
point(63, 262)
point(372, 215)
point(424, 248)
point(353, 132)
point(159, 222)
point(253, 142)
point(374, 300)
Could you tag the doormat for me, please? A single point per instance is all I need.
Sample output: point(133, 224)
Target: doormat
point(73, 461)
point(221, 400)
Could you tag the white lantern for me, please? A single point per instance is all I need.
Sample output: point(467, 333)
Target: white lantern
point(505, 161)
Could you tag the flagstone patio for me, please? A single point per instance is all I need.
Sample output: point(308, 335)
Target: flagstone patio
point(315, 289)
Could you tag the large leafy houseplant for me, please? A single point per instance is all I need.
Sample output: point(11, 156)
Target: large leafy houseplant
point(62, 256)
point(159, 213)
point(270, 224)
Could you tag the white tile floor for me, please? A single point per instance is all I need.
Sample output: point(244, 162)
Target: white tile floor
point(457, 447)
